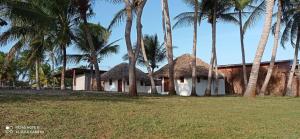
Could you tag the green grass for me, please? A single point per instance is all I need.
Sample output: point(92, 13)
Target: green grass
point(91, 115)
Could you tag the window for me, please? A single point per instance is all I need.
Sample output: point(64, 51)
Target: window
point(142, 83)
point(181, 79)
point(198, 79)
point(110, 82)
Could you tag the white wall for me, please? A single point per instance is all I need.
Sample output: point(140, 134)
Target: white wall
point(185, 88)
point(113, 87)
point(80, 82)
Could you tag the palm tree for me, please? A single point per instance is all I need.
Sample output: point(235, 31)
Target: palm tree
point(84, 6)
point(240, 6)
point(8, 74)
point(54, 17)
point(274, 49)
point(291, 32)
point(100, 37)
point(213, 11)
point(167, 29)
point(132, 7)
point(155, 54)
point(119, 17)
point(251, 87)
point(193, 93)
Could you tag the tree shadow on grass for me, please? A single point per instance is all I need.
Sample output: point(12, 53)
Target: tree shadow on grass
point(11, 96)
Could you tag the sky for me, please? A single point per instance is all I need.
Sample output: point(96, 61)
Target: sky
point(228, 40)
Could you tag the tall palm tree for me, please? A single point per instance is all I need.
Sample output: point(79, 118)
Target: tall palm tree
point(132, 8)
point(119, 17)
point(291, 33)
point(167, 29)
point(251, 87)
point(55, 17)
point(193, 93)
point(274, 49)
point(240, 6)
point(100, 37)
point(155, 54)
point(84, 6)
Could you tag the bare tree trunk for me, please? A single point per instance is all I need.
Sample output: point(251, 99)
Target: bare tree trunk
point(291, 75)
point(274, 50)
point(168, 44)
point(62, 80)
point(194, 93)
point(150, 72)
point(243, 50)
point(251, 87)
point(37, 75)
point(93, 54)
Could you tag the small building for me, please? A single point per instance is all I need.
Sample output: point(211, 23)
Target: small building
point(183, 77)
point(82, 78)
point(277, 84)
point(117, 79)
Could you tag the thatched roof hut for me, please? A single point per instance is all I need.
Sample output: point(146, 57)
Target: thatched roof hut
point(121, 72)
point(183, 68)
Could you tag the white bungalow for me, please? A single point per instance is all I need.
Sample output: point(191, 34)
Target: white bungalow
point(117, 79)
point(82, 79)
point(183, 80)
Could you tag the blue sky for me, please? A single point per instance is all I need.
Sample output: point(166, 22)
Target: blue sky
point(228, 44)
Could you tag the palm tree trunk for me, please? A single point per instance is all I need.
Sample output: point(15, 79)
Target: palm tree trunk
point(132, 61)
point(93, 54)
point(37, 74)
point(216, 73)
point(169, 45)
point(92, 75)
point(62, 80)
point(194, 93)
point(274, 50)
point(214, 34)
point(251, 87)
point(150, 72)
point(243, 49)
point(52, 72)
point(291, 75)
point(212, 59)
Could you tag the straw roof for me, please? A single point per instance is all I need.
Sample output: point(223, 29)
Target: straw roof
point(121, 71)
point(183, 68)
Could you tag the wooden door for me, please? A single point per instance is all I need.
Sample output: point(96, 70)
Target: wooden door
point(119, 85)
point(166, 84)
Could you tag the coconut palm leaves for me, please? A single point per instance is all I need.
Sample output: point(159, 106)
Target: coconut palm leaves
point(100, 39)
point(156, 53)
point(54, 18)
point(291, 33)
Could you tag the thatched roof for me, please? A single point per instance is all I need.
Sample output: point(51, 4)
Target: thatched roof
point(183, 68)
point(121, 71)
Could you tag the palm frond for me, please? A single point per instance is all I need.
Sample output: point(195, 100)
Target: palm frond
point(254, 16)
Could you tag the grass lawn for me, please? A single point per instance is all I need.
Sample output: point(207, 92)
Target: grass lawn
point(98, 115)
